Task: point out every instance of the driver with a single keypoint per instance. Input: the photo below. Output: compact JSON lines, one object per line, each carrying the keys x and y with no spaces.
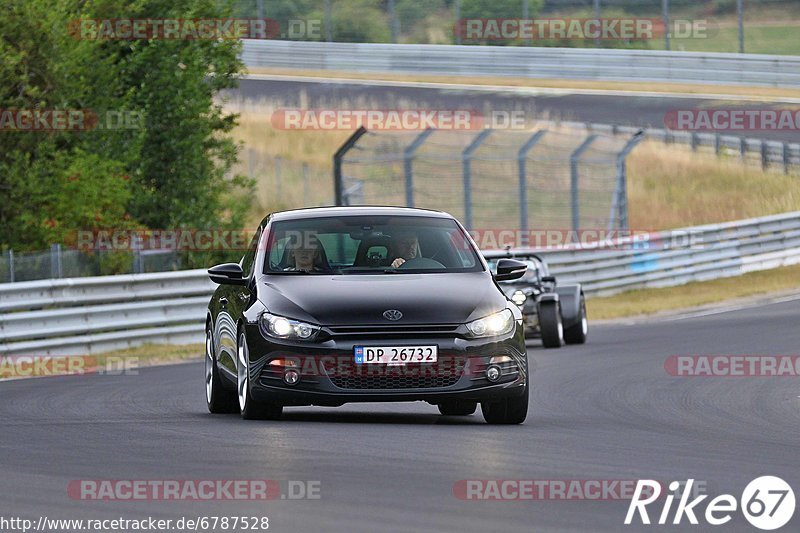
{"x":404,"y":247}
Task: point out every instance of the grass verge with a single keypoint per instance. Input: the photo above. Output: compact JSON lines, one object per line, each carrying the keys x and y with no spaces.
{"x":652,"y":301}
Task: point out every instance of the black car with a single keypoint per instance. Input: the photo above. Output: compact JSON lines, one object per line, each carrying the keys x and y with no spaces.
{"x":555,"y":313}
{"x":365,"y":304}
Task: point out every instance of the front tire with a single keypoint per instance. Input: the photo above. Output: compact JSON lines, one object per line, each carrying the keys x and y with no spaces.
{"x":577,"y":333}
{"x":551,"y":325}
{"x":249,"y":408}
{"x":218,"y":399}
{"x":513,"y":410}
{"x":457,"y":408}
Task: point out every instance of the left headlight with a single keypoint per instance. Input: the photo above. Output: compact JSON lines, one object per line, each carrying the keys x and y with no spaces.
{"x":286,"y":328}
{"x":492,"y":325}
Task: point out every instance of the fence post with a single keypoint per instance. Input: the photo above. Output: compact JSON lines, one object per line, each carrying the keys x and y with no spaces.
{"x":573,"y":167}
{"x":717,"y":143}
{"x":305,"y":185}
{"x":694,"y":141}
{"x":785,"y":157}
{"x":10,"y":265}
{"x":743,"y":148}
{"x":523,"y":182}
{"x":338,"y":186}
{"x":764,"y":155}
{"x":278,"y":177}
{"x":408,"y":164}
{"x":55,"y":261}
{"x":466,"y":158}
{"x":620,"y":200}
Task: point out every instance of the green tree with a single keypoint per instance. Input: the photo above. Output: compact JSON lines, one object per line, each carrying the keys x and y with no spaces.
{"x":171,"y":171}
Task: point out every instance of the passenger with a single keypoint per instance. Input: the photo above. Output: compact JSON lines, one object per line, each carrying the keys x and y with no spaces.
{"x":306,"y":257}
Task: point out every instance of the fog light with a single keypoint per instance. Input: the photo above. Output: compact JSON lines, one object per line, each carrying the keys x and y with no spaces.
{"x":290,"y":377}
{"x":493,"y":373}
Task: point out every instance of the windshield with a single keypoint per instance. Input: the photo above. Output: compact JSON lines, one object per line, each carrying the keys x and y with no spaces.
{"x":369,"y":245}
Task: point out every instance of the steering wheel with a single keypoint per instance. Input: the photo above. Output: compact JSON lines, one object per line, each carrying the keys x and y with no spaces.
{"x":421,"y":263}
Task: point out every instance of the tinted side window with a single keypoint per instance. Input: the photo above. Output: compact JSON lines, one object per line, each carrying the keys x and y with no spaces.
{"x":249,"y":259}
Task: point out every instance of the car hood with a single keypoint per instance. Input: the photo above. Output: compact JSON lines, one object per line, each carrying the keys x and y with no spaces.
{"x":361,"y":299}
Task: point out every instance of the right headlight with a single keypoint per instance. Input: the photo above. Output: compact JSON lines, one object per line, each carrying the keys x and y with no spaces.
{"x":286,"y":328}
{"x":492,"y":325}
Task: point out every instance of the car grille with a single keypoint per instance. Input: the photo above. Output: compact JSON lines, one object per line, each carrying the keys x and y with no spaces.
{"x":392,"y":332}
{"x":444,"y":373}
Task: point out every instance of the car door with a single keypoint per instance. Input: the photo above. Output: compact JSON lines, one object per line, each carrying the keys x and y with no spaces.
{"x":233,"y":300}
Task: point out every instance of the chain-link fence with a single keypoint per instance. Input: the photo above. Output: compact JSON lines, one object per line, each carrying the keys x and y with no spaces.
{"x":542,"y":179}
{"x":60,"y":262}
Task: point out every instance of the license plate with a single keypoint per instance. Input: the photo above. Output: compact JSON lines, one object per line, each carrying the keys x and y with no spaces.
{"x":395,"y":355}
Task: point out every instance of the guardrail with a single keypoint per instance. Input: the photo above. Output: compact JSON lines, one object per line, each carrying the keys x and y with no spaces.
{"x":92,"y":315}
{"x":718,"y":250}
{"x":528,"y":62}
{"x":97,"y":314}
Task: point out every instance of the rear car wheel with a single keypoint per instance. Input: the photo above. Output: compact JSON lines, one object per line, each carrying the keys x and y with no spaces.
{"x":550,"y":324}
{"x":248,"y":407}
{"x":577,"y":333}
{"x":458,"y":408}
{"x":511,"y":410}
{"x":218,"y":399}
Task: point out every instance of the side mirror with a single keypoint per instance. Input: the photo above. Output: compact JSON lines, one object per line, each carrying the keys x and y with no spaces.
{"x":549,"y":279}
{"x":510,"y":269}
{"x":227,"y":274}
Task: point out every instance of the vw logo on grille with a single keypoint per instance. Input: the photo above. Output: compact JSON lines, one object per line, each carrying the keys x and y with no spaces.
{"x":392,"y":314}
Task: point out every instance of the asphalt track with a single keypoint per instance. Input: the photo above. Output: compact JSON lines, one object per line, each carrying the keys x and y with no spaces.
{"x":612,"y":108}
{"x":606,"y":410}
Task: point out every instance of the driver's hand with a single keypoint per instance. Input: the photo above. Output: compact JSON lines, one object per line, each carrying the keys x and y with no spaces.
{"x":397,"y":262}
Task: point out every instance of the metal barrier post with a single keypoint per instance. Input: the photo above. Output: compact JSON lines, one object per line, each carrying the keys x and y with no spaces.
{"x":764,"y":155}
{"x":523,"y":182}
{"x":55,"y":261}
{"x":10,"y":265}
{"x":466,"y":158}
{"x":573,"y":167}
{"x":408,"y":161}
{"x":338,"y":186}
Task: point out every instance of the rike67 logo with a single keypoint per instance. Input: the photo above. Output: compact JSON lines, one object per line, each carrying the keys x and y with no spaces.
{"x":767,"y":502}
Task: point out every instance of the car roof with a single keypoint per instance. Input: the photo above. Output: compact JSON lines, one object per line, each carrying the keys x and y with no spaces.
{"x":373,"y":210}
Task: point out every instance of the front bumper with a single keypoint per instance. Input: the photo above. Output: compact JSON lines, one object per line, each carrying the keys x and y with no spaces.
{"x":329,"y":376}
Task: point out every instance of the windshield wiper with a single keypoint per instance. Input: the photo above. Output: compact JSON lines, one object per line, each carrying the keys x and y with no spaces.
{"x":303,"y":272}
{"x":371,"y":271}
